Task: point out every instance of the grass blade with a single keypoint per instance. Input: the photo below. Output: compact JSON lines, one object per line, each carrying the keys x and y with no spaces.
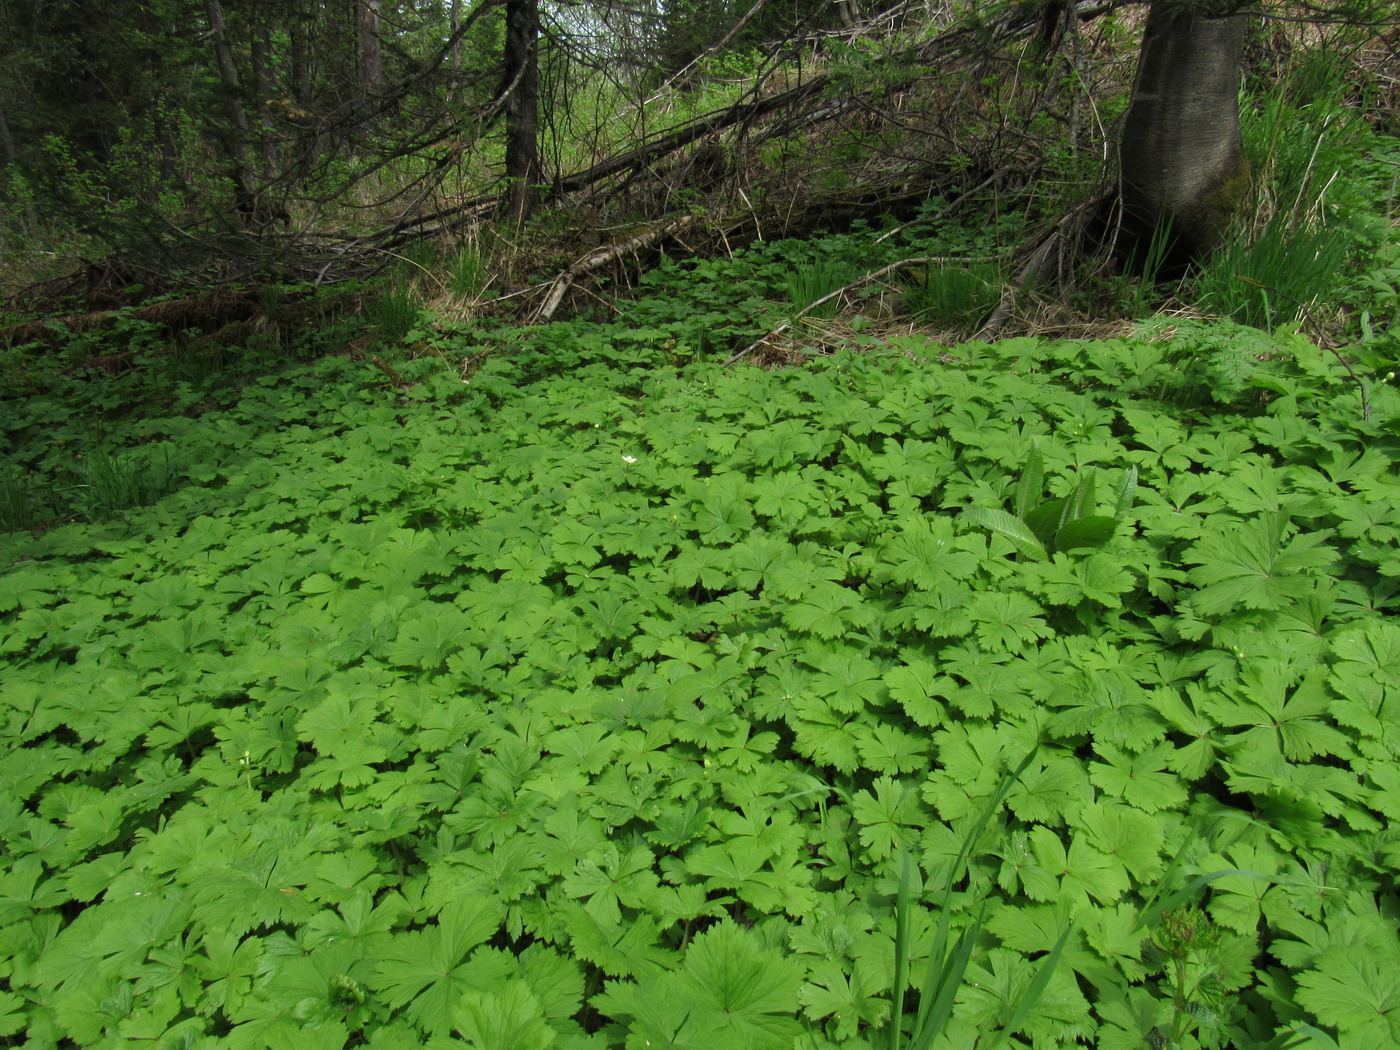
{"x":903,"y":922}
{"x":1037,"y":987}
{"x":950,"y":979}
{"x":940,"y":966}
{"x":1151,"y":914}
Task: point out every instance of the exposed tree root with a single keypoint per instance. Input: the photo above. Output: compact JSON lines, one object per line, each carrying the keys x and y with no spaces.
{"x":1029,"y":275}
{"x":1061,"y":243}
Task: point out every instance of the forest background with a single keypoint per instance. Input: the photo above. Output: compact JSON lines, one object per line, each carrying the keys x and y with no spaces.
{"x":823,"y":524}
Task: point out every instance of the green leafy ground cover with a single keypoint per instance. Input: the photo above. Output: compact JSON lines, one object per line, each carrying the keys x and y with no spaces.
{"x":594,"y":702}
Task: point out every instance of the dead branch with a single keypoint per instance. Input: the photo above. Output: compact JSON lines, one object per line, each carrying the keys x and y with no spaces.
{"x":870,"y":278}
{"x":604,"y":255}
{"x":741,"y":114}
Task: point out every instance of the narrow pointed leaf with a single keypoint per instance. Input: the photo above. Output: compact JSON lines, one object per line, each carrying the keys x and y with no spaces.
{"x":1093,"y":531}
{"x":1126,"y":492}
{"x":1152,"y":914}
{"x":1032,"y":479}
{"x":949,"y":980}
{"x":1037,"y":987}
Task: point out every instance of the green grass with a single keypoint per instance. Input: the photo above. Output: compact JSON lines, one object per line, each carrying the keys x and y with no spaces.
{"x":1275,"y":278}
{"x":107,"y":483}
{"x":814,"y":278}
{"x":394,"y":311}
{"x":17,"y":510}
{"x":467,"y":272}
{"x":954,"y":295}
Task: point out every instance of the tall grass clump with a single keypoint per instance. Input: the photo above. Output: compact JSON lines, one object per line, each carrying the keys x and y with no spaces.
{"x":1275,"y":278}
{"x":17,"y":509}
{"x":1310,"y":208}
{"x":955,"y":295}
{"x":106,"y":483}
{"x":466,"y":273}
{"x":394,"y":311}
{"x":948,"y":958}
{"x":812,"y":279}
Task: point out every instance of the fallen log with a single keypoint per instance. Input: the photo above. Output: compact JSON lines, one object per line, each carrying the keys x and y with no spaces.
{"x":204,"y":311}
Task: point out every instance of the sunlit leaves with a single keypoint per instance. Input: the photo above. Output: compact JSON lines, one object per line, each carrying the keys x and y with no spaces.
{"x":1082,"y":870}
{"x":886,"y":815}
{"x":730,"y":994}
{"x":1007,"y":622}
{"x":1140,"y":780}
{"x":848,"y":682}
{"x":636,"y":672}
{"x":1131,"y":838}
{"x":926,"y":554}
{"x":1072,"y":580}
{"x":1277,"y":710}
{"x":429,"y":634}
{"x":430,"y":969}
{"x":912,"y":685}
{"x":841,"y":994}
{"x":828,"y":611}
{"x":613,"y":880}
{"x":1255,"y":568}
{"x":723,"y":507}
{"x":1356,"y":990}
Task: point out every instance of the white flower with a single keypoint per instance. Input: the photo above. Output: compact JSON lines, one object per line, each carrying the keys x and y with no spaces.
{"x":629,"y":459}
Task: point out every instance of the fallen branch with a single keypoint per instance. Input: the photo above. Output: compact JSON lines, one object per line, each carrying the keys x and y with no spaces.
{"x":870,"y":278}
{"x":744,"y":113}
{"x":393,"y":373}
{"x":601,"y":257}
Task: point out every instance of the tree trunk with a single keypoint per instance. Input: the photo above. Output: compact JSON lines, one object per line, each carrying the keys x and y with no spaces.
{"x":1182,"y":166}
{"x":521,"y":86}
{"x":299,"y":48}
{"x":454,"y":55}
{"x":236,"y":134}
{"x":367,"y":35}
{"x":261,"y":53}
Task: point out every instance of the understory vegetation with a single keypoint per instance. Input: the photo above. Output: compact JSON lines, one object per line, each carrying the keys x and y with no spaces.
{"x":748,"y":656}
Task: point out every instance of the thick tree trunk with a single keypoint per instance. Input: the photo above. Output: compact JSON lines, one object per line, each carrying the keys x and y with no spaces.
{"x":236,"y":134}
{"x":1182,"y":164}
{"x":521,"y":87}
